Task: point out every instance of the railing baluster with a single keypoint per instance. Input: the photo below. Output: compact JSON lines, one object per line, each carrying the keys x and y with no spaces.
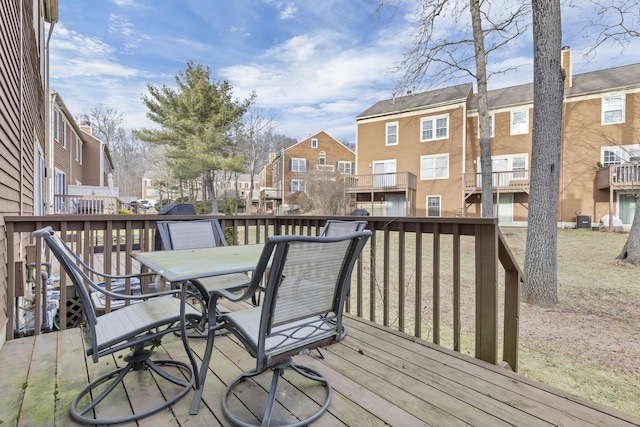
{"x":87,"y":233}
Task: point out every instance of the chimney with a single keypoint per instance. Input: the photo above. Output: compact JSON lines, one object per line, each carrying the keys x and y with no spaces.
{"x":272,"y":157}
{"x":86,"y":126}
{"x":566,"y":66}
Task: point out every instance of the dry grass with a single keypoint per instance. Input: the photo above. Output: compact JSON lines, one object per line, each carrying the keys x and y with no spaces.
{"x":588,"y":343}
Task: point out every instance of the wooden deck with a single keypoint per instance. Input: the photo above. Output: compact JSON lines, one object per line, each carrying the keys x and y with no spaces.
{"x":378,"y":377}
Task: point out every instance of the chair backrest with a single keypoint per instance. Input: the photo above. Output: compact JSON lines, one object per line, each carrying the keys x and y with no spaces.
{"x":306,"y":287}
{"x":336,"y":227}
{"x":191,"y":234}
{"x":73,"y":266}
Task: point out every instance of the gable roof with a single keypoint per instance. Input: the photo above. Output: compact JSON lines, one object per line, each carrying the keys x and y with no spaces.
{"x":592,"y":82}
{"x":447,"y":95}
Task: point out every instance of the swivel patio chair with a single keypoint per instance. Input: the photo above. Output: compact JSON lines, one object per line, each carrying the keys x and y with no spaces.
{"x":201,"y":234}
{"x":139,"y":326}
{"x":306,"y":286}
{"x":336,"y":227}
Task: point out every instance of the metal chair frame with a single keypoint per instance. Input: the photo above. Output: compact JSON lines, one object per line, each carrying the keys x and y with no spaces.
{"x":289,"y":322}
{"x":139,"y":327}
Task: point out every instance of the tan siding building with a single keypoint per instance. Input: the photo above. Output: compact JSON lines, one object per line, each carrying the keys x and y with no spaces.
{"x":297,"y":168}
{"x":432,"y":138}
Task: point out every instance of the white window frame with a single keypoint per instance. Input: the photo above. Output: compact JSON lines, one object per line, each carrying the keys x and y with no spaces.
{"x":431,"y":198}
{"x":523,"y":127}
{"x":63,"y":137}
{"x":314,"y":142}
{"x":436,"y":126}
{"x":388,"y":135}
{"x":620,"y":154}
{"x":345,"y":167}
{"x":299,"y":184}
{"x":612,"y":109}
{"x":434,"y":167}
{"x":56,"y":125}
{"x":298,"y":164}
{"x":492,"y":120}
{"x":77,"y":150}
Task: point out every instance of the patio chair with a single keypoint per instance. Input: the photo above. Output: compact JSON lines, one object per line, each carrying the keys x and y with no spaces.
{"x":201,"y":234}
{"x":304,"y":296}
{"x":336,"y":227}
{"x":139,"y":326}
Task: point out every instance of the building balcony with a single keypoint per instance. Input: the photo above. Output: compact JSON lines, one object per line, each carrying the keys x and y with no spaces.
{"x":383,"y":182}
{"x":325,"y":168}
{"x":514,"y":181}
{"x":621,"y":177}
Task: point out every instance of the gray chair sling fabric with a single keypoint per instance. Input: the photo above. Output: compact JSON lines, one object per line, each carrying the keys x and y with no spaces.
{"x":305,"y":291}
{"x":336,"y":227}
{"x":139,"y":327}
{"x":201,"y":234}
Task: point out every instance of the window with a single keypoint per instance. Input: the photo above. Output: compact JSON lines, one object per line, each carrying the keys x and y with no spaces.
{"x":345,"y":167}
{"x":519,"y":167}
{"x":620,"y":154}
{"x":296,"y":185}
{"x":314,"y":142}
{"x":63,"y":137}
{"x":56,"y":117}
{"x":433,"y":128}
{"x":392,"y":133}
{"x":298,"y":165}
{"x":613,"y":110}
{"x":519,"y":122}
{"x":434,"y":167}
{"x":433,"y":205}
{"x":491,"y":121}
{"x":77,"y":149}
{"x":322,"y":159}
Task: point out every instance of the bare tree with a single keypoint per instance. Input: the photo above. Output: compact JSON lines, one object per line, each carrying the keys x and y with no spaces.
{"x":257,"y":126}
{"x":439,"y":56}
{"x":541,"y":262}
{"x":129,"y":154}
{"x":615,"y":24}
{"x":611,"y":23}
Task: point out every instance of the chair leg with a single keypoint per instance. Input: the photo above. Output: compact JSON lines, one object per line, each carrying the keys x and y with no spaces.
{"x":82,"y":413}
{"x":277,"y":372}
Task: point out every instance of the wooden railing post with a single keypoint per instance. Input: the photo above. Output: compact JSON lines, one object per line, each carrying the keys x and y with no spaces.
{"x":487,"y":293}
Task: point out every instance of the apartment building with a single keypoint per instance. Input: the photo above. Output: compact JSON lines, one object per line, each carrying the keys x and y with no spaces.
{"x":301,"y":166}
{"x":23,"y":122}
{"x":419,"y":154}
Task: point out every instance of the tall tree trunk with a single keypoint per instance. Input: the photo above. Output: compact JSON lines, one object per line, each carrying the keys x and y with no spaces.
{"x":483,"y":110}
{"x":631,"y":250}
{"x":540,"y":268}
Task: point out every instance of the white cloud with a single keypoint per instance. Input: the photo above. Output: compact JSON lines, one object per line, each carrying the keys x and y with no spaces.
{"x":120,"y":25}
{"x":78,"y":44}
{"x":288,"y":12}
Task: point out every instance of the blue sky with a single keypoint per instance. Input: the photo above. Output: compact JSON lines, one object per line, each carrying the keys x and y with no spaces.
{"x":315,"y":65}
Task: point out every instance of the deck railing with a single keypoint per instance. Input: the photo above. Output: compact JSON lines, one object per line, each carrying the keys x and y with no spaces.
{"x":436,"y":278}
{"x":380,"y":182}
{"x":513,"y":180}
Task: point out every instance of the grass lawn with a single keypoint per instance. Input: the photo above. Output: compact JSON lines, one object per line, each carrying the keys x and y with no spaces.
{"x":588,"y":343}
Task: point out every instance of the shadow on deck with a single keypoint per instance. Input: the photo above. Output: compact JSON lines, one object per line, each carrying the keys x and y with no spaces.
{"x":378,"y":376}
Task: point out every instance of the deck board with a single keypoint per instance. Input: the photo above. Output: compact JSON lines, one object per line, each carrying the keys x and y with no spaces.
{"x":378,"y":377}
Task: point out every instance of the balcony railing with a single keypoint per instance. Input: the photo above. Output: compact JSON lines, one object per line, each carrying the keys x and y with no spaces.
{"x":435,"y":278}
{"x":514,"y":181}
{"x":94,"y":205}
{"x":392,"y":181}
{"x":622,"y":177}
{"x":325,"y":168}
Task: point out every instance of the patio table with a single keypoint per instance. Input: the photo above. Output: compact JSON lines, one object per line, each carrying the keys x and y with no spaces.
{"x":182,"y":265}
